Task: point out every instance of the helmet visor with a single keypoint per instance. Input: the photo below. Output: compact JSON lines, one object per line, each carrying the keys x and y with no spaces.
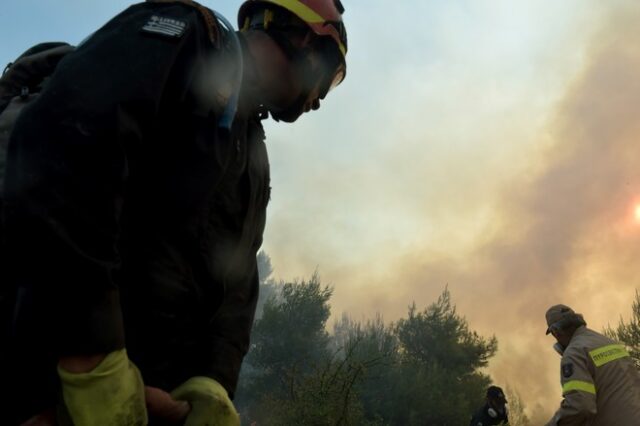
{"x":326,"y":67}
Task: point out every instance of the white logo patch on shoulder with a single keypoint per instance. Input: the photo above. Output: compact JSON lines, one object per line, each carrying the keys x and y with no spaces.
{"x":169,"y":27}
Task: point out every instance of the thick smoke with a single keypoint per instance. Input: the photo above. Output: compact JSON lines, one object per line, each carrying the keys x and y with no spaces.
{"x":566,"y":234}
{"x":562,"y":231}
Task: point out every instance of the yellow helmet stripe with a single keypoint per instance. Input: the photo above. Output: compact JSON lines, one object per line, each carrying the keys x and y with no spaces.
{"x":305,"y":13}
{"x":302,"y":10}
{"x":606,"y":354}
{"x":579,"y":385}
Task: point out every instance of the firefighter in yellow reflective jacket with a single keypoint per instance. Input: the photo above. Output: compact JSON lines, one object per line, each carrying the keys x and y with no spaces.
{"x":600,"y":383}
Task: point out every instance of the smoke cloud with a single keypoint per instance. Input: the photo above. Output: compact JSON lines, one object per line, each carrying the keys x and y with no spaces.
{"x":552,"y":217}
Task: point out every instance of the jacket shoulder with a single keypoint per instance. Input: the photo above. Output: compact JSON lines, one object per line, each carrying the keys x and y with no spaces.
{"x":212,"y":22}
{"x":587,"y":340}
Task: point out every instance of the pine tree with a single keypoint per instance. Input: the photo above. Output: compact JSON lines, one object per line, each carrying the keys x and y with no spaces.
{"x":629,"y":332}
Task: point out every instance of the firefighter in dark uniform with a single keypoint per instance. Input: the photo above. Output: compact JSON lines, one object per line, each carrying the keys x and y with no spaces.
{"x":135,"y":197}
{"x":494,"y":412}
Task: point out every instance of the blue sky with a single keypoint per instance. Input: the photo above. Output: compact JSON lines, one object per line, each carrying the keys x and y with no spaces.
{"x":444,"y":159}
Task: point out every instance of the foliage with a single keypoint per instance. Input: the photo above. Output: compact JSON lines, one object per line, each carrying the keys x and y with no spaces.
{"x":424,"y":369}
{"x":438,"y":378}
{"x":439,"y":335}
{"x":375,"y":347}
{"x":268,"y":287}
{"x":291,"y":331}
{"x":289,"y":353}
{"x":325,"y":396}
{"x":265,"y":269}
{"x":629,"y":332}
{"x":517,"y":416}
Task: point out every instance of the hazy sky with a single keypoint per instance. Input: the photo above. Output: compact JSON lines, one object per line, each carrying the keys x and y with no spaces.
{"x":486,"y":145}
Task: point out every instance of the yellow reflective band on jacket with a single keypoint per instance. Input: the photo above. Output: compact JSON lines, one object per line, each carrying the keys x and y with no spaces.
{"x":606,"y":354}
{"x":579,"y":385}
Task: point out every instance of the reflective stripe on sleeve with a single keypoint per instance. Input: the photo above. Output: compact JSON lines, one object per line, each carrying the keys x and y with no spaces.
{"x":606,"y":354}
{"x":579,"y":385}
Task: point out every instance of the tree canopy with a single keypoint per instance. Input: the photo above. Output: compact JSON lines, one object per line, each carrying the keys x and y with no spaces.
{"x":424,"y":369}
{"x":628,"y":332}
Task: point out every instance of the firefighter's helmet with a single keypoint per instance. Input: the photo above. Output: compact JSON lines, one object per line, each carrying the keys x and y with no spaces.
{"x":323,"y":17}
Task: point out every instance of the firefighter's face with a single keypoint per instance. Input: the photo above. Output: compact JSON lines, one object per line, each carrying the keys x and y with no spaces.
{"x":290,"y":81}
{"x":279,"y":84}
{"x":299,"y":85}
{"x":497,"y":404}
{"x":562,"y":338}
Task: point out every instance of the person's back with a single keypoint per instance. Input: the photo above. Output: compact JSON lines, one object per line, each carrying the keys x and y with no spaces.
{"x":600,"y":382}
{"x":20,"y":85}
{"x":134,"y":197}
{"x":615,"y":377}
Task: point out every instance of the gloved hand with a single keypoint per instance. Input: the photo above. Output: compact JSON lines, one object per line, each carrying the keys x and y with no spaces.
{"x":112,"y":394}
{"x":210,"y":403}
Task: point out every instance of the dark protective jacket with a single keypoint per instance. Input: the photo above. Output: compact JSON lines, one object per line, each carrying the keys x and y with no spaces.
{"x":131,"y":219}
{"x":483,"y":417}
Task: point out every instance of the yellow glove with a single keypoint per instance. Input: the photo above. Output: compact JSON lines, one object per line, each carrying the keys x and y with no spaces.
{"x":112,"y":394}
{"x":210,"y":403}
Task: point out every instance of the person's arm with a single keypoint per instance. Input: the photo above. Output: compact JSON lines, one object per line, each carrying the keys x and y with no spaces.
{"x":477,"y":419}
{"x":64,"y":194}
{"x":67,"y":170}
{"x":63,"y":198}
{"x":230,"y":328}
{"x":210,"y":392}
{"x":578,"y":390}
{"x":70,"y":160}
{"x":474,"y":421}
{"x":230,"y":333}
{"x":224,"y":346}
{"x":66,"y":184}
